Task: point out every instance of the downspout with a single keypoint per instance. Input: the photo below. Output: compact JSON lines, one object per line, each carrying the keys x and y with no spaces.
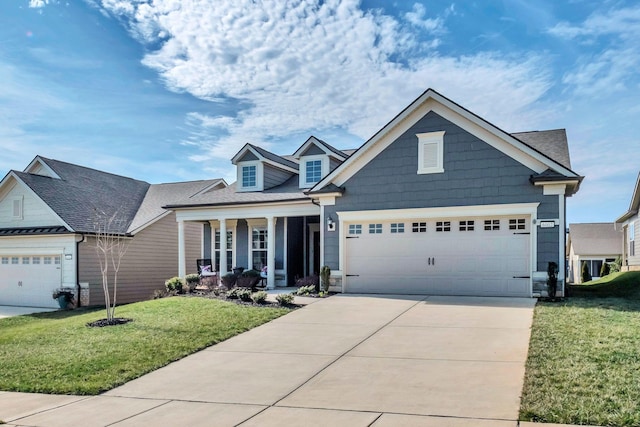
{"x":78,"y":287}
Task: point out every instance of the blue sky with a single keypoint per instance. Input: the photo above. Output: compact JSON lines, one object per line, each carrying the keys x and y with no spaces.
{"x":169,"y":90}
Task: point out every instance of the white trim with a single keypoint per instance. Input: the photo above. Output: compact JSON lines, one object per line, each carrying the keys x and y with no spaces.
{"x":259,"y":176}
{"x":324,"y":169}
{"x":249,"y":211}
{"x":149,"y":223}
{"x":20,"y":200}
{"x":562,"y":241}
{"x":315,"y":141}
{"x":210,"y":186}
{"x":433,"y":101}
{"x":312,"y":229}
{"x":428,"y":139}
{"x":261,"y":159}
{"x":39,"y":160}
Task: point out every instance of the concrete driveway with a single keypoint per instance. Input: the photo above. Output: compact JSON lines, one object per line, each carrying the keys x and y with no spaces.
{"x":11,"y":311}
{"x":349,"y":360}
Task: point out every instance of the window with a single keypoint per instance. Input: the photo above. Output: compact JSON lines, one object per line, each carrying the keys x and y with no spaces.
{"x":430,"y":152}
{"x":517,"y":224}
{"x":491,"y":224}
{"x":443,"y":226}
{"x":56,"y":260}
{"x":397,"y":227}
{"x":259,"y":248}
{"x":25,"y":259}
{"x":14,"y":260}
{"x":228,"y":250}
{"x":419,"y":227}
{"x":5,"y":260}
{"x":632,"y":238}
{"x":17,"y":208}
{"x":47,"y":260}
{"x":355,"y":228}
{"x":375,"y":228}
{"x":595,"y":265}
{"x":249,"y":176}
{"x":313,"y":171}
{"x":36,"y":260}
{"x":467,"y":225}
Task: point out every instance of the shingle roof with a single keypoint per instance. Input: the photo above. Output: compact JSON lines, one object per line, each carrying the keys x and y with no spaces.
{"x":595,"y":239}
{"x":551,"y":143}
{"x":30,"y":231}
{"x":288,"y":191}
{"x":274,"y":157}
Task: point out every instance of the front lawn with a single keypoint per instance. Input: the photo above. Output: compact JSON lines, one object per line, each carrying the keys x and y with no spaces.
{"x":584,"y":362}
{"x":57,"y":353}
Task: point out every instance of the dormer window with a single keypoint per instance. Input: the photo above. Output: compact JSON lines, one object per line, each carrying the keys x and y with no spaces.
{"x":313,"y":169}
{"x":250,"y":176}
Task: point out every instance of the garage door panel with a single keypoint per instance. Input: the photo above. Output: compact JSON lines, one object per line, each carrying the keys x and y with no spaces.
{"x":30,"y":283}
{"x":454,"y":262}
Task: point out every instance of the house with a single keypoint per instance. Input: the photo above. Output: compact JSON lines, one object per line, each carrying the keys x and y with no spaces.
{"x":593,"y":244}
{"x":629,"y":224}
{"x":438,"y":201}
{"x":48,"y":217}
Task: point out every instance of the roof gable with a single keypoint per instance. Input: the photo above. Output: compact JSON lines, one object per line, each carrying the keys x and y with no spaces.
{"x":39,"y":167}
{"x":265,"y":156}
{"x":595,"y":239}
{"x":320,"y":145}
{"x":634,"y":206}
{"x":429,"y":101}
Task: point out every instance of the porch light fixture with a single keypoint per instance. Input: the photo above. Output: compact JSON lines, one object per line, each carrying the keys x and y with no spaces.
{"x":68,"y":256}
{"x":331,"y":225}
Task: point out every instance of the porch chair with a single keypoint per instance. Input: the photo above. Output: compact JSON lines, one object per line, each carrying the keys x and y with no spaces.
{"x":208,"y":277}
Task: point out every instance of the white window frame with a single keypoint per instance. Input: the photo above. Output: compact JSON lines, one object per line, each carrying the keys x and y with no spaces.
{"x":19,"y":203}
{"x":355,"y":229}
{"x":324,"y":167}
{"x":632,"y":238}
{"x":429,"y":138}
{"x":252,"y":250}
{"x":217,"y":256}
{"x":259,"y":176}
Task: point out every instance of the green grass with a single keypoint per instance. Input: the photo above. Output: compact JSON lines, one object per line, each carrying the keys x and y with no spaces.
{"x":623,"y":285}
{"x":57,"y":353}
{"x":584,"y":358}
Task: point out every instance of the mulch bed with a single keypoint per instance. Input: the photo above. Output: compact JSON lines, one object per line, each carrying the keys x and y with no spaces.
{"x":101,"y":323}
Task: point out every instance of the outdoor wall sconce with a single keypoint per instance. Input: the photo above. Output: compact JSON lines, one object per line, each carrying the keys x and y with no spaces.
{"x":68,"y":256}
{"x":331,"y":225}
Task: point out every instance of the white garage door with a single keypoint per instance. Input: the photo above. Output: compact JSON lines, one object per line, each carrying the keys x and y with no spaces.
{"x":27,"y":280}
{"x":487,"y":256}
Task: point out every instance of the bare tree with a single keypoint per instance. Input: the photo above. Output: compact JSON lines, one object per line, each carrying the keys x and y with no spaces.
{"x":111,"y":246}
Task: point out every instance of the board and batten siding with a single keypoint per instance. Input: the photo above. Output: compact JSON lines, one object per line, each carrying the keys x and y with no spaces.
{"x":34,"y":211}
{"x":475,"y":173}
{"x":151,"y":258}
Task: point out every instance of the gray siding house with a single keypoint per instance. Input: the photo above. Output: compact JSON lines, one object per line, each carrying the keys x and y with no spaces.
{"x":439,"y":201}
{"x":629,"y":224}
{"x":47,"y":226}
{"x":592,"y":244}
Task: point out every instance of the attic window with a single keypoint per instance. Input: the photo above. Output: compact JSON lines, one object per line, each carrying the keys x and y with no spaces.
{"x":430,"y":152}
{"x":313,"y":171}
{"x":249,"y":176}
{"x":17,"y":208}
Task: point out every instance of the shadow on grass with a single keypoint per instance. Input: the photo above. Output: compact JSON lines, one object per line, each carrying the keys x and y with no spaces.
{"x":65,"y":314}
{"x":605,"y":303}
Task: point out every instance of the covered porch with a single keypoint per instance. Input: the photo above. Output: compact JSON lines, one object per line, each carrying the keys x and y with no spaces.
{"x":285,"y":238}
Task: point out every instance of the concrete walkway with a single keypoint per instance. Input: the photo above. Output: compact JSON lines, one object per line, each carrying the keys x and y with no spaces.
{"x":349,"y":360}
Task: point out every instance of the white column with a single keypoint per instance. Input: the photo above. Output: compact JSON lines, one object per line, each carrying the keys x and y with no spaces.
{"x":562,"y":244}
{"x":223,"y":247}
{"x":271,"y":252}
{"x":182,"y":270}
{"x":212,"y":226}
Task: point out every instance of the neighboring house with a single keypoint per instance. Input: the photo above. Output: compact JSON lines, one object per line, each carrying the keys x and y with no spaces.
{"x":439,"y":201}
{"x":47,"y":224}
{"x":594,"y":244}
{"x":629,"y":223}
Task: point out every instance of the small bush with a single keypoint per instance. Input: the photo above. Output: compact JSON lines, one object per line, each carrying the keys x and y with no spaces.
{"x":174,"y":285}
{"x":259,"y":297}
{"x":244,"y":294}
{"x":250,"y":273}
{"x":604,"y":270}
{"x":158,"y":293}
{"x":305,"y":290}
{"x":586,"y":276}
{"x":232,"y":293}
{"x":325,"y":276}
{"x":615,"y":266}
{"x":228,"y":280}
{"x":192,"y":279}
{"x":285,"y":299}
{"x":309,"y":281}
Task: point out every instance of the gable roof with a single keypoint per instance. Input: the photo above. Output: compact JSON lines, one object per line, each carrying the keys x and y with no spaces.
{"x":529,"y":155}
{"x":328,"y":149}
{"x":267,"y":157}
{"x":634,"y":205}
{"x":79,"y":196}
{"x":595,"y":239}
{"x":552,"y":143}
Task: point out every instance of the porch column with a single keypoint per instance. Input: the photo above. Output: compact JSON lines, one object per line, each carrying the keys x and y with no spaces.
{"x":223,"y":247}
{"x":212,"y":228}
{"x":271,"y":252}
{"x":182,"y":271}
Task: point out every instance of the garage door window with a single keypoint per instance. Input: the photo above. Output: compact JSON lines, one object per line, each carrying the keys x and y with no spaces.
{"x":375,"y":228}
{"x":5,"y":260}
{"x":15,"y":260}
{"x":491,"y":224}
{"x":47,"y":260}
{"x":443,"y":226}
{"x":419,"y":227}
{"x":467,"y":225}
{"x":25,"y":260}
{"x":517,"y":224}
{"x":36,"y":260}
{"x":56,"y":260}
{"x":397,"y":227}
{"x":355,"y":228}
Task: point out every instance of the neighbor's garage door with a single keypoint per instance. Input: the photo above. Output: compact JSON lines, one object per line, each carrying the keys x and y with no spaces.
{"x":27,"y":280}
{"x":463,"y":256}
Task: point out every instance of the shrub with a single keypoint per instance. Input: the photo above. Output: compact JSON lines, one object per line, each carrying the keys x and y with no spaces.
{"x":285,"y":299}
{"x":259,"y":297}
{"x":325,"y":275}
{"x":250,"y":273}
{"x":604,"y":270}
{"x":244,"y":294}
{"x":158,"y":293}
{"x":552,"y":279}
{"x":305,"y":290}
{"x":192,"y":280}
{"x":228,"y":280}
{"x":586,"y":276}
{"x":614,"y":267}
{"x":232,"y":293}
{"x":174,"y":285}
{"x":308,"y":281}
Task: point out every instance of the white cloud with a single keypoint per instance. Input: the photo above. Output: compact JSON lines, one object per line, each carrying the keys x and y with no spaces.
{"x":36,"y":4}
{"x":624,"y":23}
{"x":307,"y":66}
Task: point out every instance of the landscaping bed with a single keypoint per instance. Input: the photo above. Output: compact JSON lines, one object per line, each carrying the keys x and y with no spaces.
{"x":584,"y":358}
{"x":58,"y":353}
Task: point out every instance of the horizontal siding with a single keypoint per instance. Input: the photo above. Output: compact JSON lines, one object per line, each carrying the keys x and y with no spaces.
{"x":635,"y":260}
{"x":35,"y":211}
{"x":274,"y":176}
{"x":151,"y":258}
